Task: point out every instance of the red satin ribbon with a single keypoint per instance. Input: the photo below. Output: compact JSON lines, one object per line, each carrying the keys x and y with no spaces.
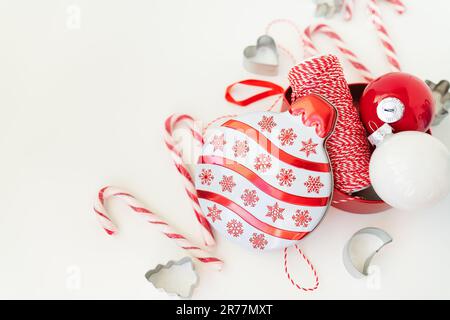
{"x":274,"y":89}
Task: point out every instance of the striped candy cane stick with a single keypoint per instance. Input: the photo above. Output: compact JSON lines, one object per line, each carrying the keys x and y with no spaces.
{"x":349,"y":6}
{"x":399,"y":6}
{"x":311,"y":50}
{"x":172,"y":123}
{"x":382,"y":33}
{"x":150,"y":217}
{"x":348,"y":9}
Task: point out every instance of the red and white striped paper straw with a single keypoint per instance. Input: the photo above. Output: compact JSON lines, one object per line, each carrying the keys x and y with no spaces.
{"x":383,"y":35}
{"x":172,"y":123}
{"x":107,"y":224}
{"x":311,"y":50}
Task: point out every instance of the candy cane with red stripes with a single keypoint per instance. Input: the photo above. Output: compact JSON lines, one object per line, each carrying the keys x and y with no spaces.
{"x":348,"y":9}
{"x":382,"y":33}
{"x":172,"y":123}
{"x":311,"y":50}
{"x":399,"y":6}
{"x":107,"y":224}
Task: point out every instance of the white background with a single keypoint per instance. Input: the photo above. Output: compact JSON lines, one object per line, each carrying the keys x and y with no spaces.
{"x":84,"y":107}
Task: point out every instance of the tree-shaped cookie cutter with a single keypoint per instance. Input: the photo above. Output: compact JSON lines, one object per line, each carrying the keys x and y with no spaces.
{"x":172,"y":263}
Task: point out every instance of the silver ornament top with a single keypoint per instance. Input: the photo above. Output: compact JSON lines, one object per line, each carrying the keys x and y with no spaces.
{"x":378,"y":136}
{"x":390,"y":110}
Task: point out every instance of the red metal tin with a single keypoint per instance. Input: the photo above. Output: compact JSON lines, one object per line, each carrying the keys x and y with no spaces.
{"x":342,"y":201}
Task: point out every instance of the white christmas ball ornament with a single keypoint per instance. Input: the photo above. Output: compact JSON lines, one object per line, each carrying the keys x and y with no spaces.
{"x":411,"y":170}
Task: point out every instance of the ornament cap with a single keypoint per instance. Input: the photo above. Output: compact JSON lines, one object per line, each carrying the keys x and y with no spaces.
{"x":380,"y":134}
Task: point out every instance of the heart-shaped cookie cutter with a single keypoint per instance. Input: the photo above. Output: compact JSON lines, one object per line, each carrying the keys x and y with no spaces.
{"x":256,"y":61}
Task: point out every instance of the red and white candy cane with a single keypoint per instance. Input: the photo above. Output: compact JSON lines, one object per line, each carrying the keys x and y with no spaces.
{"x":382,"y":33}
{"x":172,"y":123}
{"x":322,"y":28}
{"x":348,"y":9}
{"x":399,"y":6}
{"x":107,"y":224}
{"x":349,"y":6}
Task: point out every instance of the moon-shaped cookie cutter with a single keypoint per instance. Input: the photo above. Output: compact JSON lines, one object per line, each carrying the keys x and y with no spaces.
{"x":349,"y":263}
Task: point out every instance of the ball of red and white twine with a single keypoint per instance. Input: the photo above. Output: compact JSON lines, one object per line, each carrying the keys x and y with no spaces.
{"x":348,"y":147}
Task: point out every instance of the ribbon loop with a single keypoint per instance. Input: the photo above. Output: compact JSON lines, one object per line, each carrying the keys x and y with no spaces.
{"x":274,"y":89}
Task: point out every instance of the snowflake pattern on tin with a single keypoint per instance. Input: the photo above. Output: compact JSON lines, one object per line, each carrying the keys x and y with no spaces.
{"x":286,"y":177}
{"x":227,"y":183}
{"x":214,"y":213}
{"x":267,"y":124}
{"x":302,"y":218}
{"x":287,"y":137}
{"x":240,"y":148}
{"x":313,"y":184}
{"x":258,"y":241}
{"x":218,"y":142}
{"x":263,"y":162}
{"x":206,"y":177}
{"x":308,"y":147}
{"x":235,"y":228}
{"x":250,"y":198}
{"x":261,"y":150}
{"x":275,"y":212}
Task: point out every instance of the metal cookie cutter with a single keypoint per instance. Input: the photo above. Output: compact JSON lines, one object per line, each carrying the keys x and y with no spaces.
{"x":350,"y":264}
{"x":263,"y":58}
{"x":153,"y":276}
{"x":441,"y":97}
{"x":328,"y":8}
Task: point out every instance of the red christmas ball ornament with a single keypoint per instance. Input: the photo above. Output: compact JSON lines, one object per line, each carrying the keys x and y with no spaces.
{"x":396,"y":102}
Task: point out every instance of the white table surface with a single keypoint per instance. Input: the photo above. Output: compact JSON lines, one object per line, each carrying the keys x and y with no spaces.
{"x":84,"y":107}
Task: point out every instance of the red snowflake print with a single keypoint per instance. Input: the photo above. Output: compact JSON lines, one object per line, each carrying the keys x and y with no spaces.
{"x":214,"y":213}
{"x":240,"y":148}
{"x":206,"y":176}
{"x":250,"y":198}
{"x":302,"y":218}
{"x":286,"y":177}
{"x":313,"y":184}
{"x":218,"y":142}
{"x":267,"y":124}
{"x":308,"y":147}
{"x":275,"y":212}
{"x":234,"y":228}
{"x":263,"y":162}
{"x":227,"y":183}
{"x":258,"y":241}
{"x":287,"y":137}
